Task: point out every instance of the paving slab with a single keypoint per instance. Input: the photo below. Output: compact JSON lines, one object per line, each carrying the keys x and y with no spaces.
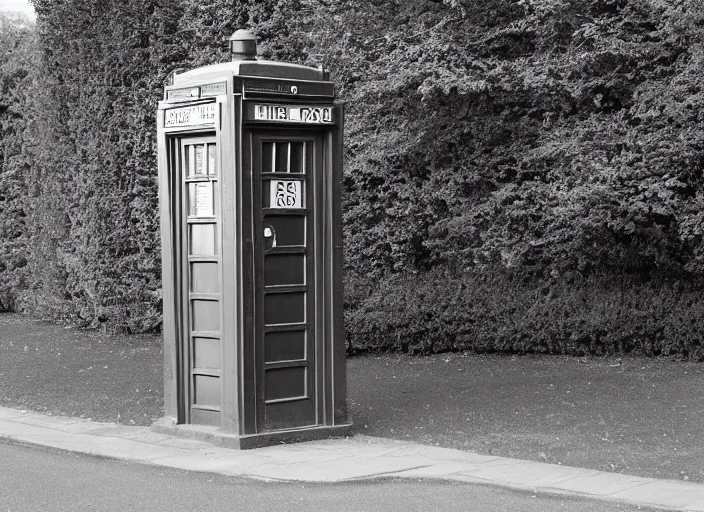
{"x":607,"y":484}
{"x":62,"y":423}
{"x":6,"y":413}
{"x":438,"y":470}
{"x":683,"y":495}
{"x":336,"y":460}
{"x":527,"y":474}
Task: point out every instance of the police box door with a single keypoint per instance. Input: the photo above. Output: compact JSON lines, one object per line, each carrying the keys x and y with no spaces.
{"x":286,"y":172}
{"x":199,"y":264}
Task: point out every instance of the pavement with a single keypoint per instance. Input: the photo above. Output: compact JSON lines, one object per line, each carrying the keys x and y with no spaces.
{"x":337,"y":460}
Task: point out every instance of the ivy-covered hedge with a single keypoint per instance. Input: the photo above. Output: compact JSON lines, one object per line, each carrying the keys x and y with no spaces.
{"x":17,"y":59}
{"x":90,"y":179}
{"x":446,"y":310}
{"x":559,"y":141}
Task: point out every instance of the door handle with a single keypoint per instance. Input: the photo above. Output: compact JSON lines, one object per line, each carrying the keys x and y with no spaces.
{"x":269,"y":237}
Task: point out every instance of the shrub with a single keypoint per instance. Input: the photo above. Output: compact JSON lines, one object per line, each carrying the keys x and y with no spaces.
{"x":443,"y":310}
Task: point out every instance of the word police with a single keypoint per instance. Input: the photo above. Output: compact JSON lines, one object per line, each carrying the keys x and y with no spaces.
{"x":285,"y":113}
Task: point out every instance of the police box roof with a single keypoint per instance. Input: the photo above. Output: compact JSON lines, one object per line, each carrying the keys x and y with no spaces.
{"x":243,"y":49}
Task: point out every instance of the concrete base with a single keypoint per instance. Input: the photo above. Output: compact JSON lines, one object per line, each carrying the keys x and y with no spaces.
{"x":213,"y":435}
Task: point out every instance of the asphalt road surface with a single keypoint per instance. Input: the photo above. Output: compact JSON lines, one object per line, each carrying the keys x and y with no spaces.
{"x":35,"y":479}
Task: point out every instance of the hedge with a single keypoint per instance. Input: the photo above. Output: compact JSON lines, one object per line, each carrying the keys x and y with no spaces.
{"x":445,"y":310}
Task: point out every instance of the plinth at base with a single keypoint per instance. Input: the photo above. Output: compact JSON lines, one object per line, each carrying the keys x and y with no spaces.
{"x":213,"y":435}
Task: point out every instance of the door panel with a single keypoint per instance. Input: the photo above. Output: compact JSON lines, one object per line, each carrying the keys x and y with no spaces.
{"x":201,"y":346}
{"x":284,"y":269}
{"x":284,"y":178}
{"x":282,"y":308}
{"x":286,"y":230}
{"x":204,"y":277}
{"x":284,"y":345}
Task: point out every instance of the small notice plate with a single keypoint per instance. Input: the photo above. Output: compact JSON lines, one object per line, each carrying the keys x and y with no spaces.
{"x":285,"y":194}
{"x":204,"y":200}
{"x":290,"y":88}
{"x":190,"y":116}
{"x":189,"y":93}
{"x":293,"y":114}
{"x":212,"y":89}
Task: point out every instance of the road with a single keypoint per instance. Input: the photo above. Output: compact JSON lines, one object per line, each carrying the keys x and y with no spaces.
{"x":35,"y":479}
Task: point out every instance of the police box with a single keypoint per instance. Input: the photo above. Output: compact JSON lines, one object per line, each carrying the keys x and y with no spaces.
{"x":250,"y":170}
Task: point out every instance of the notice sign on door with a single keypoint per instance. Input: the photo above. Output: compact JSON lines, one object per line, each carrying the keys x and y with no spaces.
{"x":204,"y":200}
{"x":286,"y":194}
{"x":292,"y":114}
{"x":190,"y":116}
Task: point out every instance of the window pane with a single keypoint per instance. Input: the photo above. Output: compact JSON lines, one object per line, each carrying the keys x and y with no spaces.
{"x":191,"y":199}
{"x":286,"y":194}
{"x":211,"y":159}
{"x":267,"y":152}
{"x":188,"y":160}
{"x":297,"y":157}
{"x":281,"y":157}
{"x":198,"y":167}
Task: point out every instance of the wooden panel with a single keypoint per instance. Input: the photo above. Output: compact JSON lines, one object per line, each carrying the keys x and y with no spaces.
{"x":289,"y":414}
{"x":207,"y":353}
{"x":203,"y":240}
{"x":282,"y":269}
{"x":335,"y":290}
{"x":284,"y":346}
{"x":206,"y":390}
{"x":204,"y":277}
{"x":248,"y":216}
{"x":205,"y":417}
{"x":229,"y":188}
{"x":284,"y":308}
{"x":206,"y":315}
{"x":281,"y":383}
{"x":167,"y":156}
{"x":289,"y":230}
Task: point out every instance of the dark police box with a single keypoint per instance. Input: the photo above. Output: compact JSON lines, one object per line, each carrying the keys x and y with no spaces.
{"x":250,"y":170}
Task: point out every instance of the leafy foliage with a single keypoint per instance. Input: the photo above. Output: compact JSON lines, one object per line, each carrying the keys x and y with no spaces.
{"x":557,"y":141}
{"x":17,"y":63}
{"x":94,"y":223}
{"x":484,"y":312}
{"x":548,"y":136}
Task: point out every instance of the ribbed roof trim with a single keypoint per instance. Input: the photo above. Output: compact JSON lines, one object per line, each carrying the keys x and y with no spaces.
{"x":262,"y":68}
